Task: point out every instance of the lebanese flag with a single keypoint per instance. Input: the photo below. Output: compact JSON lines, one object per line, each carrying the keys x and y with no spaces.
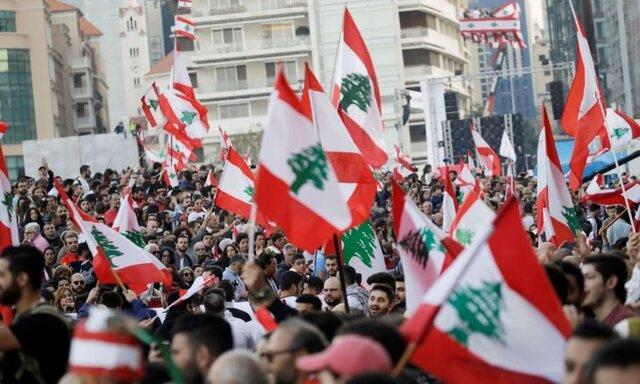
{"x":98,"y":351}
{"x":182,"y":144}
{"x":211,"y":179}
{"x":357,"y":184}
{"x":584,"y":111}
{"x":296,"y":186}
{"x":465,"y":176}
{"x":595,"y":194}
{"x":184,"y":4}
{"x":237,"y":186}
{"x":425,"y":250}
{"x":556,"y":214}
{"x":357,"y":96}
{"x":449,"y":200}
{"x":595,"y":185}
{"x":114,"y":253}
{"x":3,"y":129}
{"x":185,"y":27}
{"x":621,"y":129}
{"x":403,"y":159}
{"x":8,"y":221}
{"x":151,"y":106}
{"x":198,"y":284}
{"x":170,"y":176}
{"x":152,"y":156}
{"x":510,"y":185}
{"x":182,"y":83}
{"x":488,"y":158}
{"x":179,"y":110}
{"x":472,"y":217}
{"x":493,"y":314}
{"x":126,"y":221}
{"x":225,"y":144}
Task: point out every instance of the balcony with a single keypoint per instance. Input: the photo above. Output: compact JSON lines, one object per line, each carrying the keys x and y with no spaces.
{"x":231,"y":86}
{"x":440,"y":8}
{"x":423,"y":37}
{"x":249,"y":9}
{"x":80,"y":63}
{"x":83,"y":92}
{"x":414,"y":32}
{"x":85,"y":123}
{"x":266,"y":48}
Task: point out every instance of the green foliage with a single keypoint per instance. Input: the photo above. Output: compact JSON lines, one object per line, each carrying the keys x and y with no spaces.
{"x":309,"y":165}
{"x":479,"y":312}
{"x":355,"y":90}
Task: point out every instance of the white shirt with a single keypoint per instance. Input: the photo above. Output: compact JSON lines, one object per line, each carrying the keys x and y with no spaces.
{"x":290,"y":301}
{"x":243,"y":334}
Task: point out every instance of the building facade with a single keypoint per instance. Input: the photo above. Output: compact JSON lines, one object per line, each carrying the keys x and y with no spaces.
{"x":27,"y":77}
{"x":240,"y":45}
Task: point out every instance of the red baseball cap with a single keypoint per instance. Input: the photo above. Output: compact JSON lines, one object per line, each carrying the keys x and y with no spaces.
{"x":347,"y":356}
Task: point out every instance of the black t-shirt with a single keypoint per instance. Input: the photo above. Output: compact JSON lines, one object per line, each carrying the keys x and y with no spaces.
{"x":45,"y":337}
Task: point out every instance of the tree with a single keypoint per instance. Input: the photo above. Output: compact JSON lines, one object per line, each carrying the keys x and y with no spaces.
{"x":250,"y":192}
{"x":570,"y":215}
{"x":360,"y":242}
{"x":356,"y":89}
{"x":108,"y":248}
{"x":479,"y":311}
{"x":419,"y":243}
{"x":8,"y":203}
{"x":309,"y":165}
{"x":135,"y":237}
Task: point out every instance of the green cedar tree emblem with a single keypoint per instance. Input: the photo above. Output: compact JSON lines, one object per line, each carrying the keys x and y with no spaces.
{"x":464,"y":236}
{"x":360,"y":242}
{"x":135,"y":237}
{"x":154,"y":104}
{"x":479,"y":312}
{"x":187,"y":117}
{"x":187,"y":28}
{"x":618,"y":133}
{"x":419,"y":243}
{"x":309,"y":165}
{"x":110,"y":250}
{"x":356,"y":90}
{"x":249,"y":191}
{"x":571,"y":217}
{"x":8,"y":203}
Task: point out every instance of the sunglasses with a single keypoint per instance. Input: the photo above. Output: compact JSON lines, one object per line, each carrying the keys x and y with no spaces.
{"x":79,"y":282}
{"x":187,"y":274}
{"x":155,"y":252}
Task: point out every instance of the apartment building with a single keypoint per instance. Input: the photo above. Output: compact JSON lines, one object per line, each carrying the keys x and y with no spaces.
{"x":241,"y":44}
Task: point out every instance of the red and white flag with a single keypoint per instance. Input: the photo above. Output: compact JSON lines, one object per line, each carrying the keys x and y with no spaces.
{"x":584,"y":111}
{"x":180,"y":111}
{"x":449,"y":200}
{"x":595,"y":194}
{"x":357,"y":184}
{"x":126,"y":221}
{"x":198,"y":284}
{"x":510,"y":184}
{"x":100,"y":352}
{"x":170,"y":176}
{"x":151,"y":106}
{"x":237,"y":187}
{"x":225,"y":144}
{"x":8,"y":221}
{"x":181,"y":82}
{"x":185,"y":27}
{"x":425,"y":250}
{"x":357,"y":95}
{"x":506,"y":148}
{"x":621,"y":129}
{"x":403,"y":159}
{"x":184,"y":4}
{"x":471,"y":162}
{"x":472,"y":217}
{"x":152,"y":156}
{"x":556,"y":214}
{"x":488,"y":158}
{"x":115,"y":254}
{"x":465,"y":175}
{"x":211,"y":179}
{"x":296,"y":187}
{"x":493,"y":314}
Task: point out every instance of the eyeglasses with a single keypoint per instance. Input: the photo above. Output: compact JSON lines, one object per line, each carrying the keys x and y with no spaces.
{"x":155,"y":252}
{"x":187,"y":274}
{"x":269,"y":355}
{"x":79,"y":282}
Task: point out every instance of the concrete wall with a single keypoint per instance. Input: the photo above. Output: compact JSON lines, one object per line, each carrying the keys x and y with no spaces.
{"x":66,"y":155}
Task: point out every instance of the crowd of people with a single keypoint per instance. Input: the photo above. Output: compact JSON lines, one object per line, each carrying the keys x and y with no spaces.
{"x":316,"y":330}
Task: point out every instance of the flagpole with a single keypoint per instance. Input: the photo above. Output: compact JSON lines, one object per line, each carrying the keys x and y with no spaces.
{"x":252,"y":230}
{"x":343,"y":284}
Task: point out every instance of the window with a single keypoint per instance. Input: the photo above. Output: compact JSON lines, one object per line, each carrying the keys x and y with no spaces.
{"x":136,"y":82}
{"x":290,"y":70}
{"x":15,"y":166}
{"x":185,"y":44}
{"x":81,"y":110}
{"x":232,"y":111}
{"x":225,"y":4}
{"x":231,"y":78}
{"x":78,"y":80}
{"x":193,"y":77}
{"x":417,"y":133}
{"x":277,"y":32}
{"x":16,"y":95}
{"x":227,"y":39}
{"x":7,"y":21}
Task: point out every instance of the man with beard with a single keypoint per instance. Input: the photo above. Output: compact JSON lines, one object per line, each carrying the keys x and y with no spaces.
{"x":332,"y":292}
{"x":50,"y":235}
{"x":183,"y":258}
{"x":331,"y":266}
{"x":112,"y":212}
{"x":288,"y":252}
{"x":71,"y":258}
{"x":197,"y":341}
{"x":36,"y":345}
{"x":380,"y":300}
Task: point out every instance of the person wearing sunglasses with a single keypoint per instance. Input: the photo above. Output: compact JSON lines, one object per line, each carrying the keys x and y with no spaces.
{"x":77,"y":283}
{"x":187,"y":276}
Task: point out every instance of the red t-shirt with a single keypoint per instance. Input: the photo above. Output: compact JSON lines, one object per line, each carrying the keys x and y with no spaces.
{"x":617,"y":314}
